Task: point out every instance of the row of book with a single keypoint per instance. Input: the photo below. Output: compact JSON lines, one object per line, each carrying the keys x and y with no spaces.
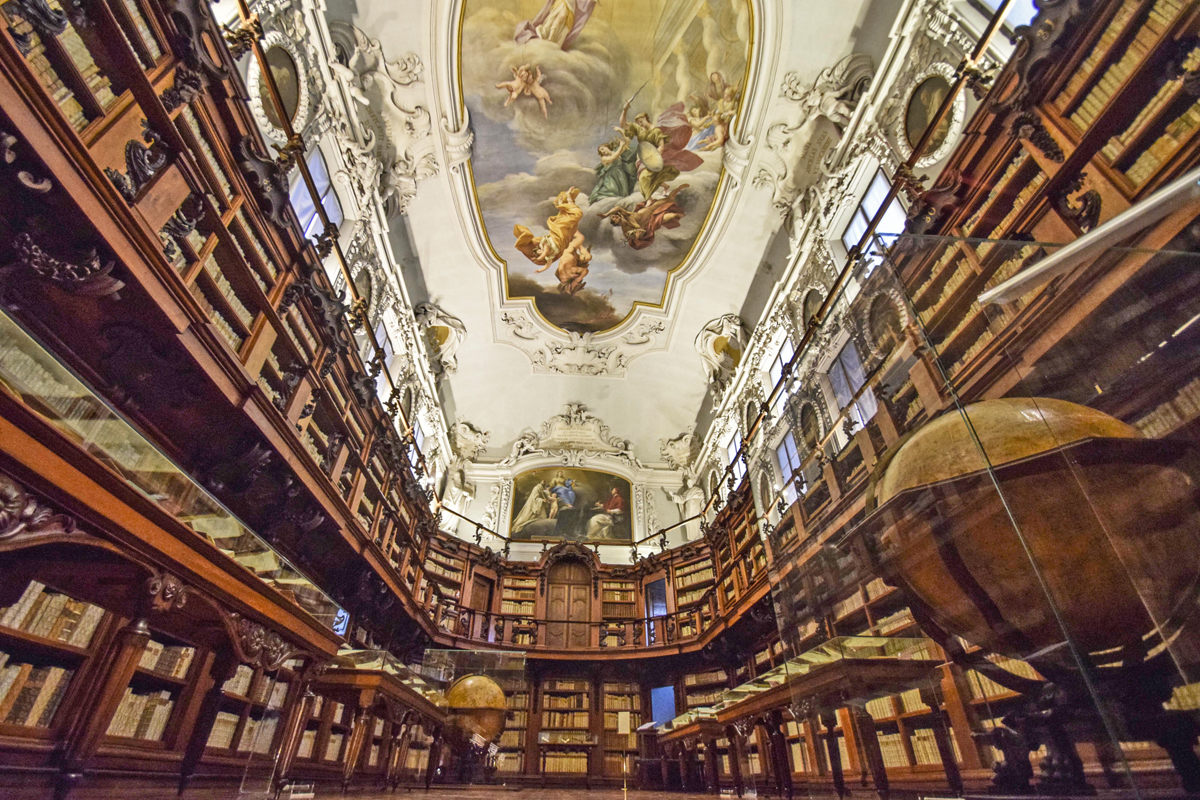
{"x":565,"y":719}
{"x":142,"y":716}
{"x":612,"y":720}
{"x":512,"y":738}
{"x":622,"y":702}
{"x":1099,"y":51}
{"x":510,"y":762}
{"x":440,"y":571}
{"x":163,"y":660}
{"x":620,"y":741}
{"x":1185,"y":698}
{"x":223,"y":729}
{"x":848,"y":605}
{"x":519,"y":719}
{"x":1162,"y":14}
{"x":697,"y":699}
{"x":258,"y":734}
{"x":566,"y":701}
{"x":217,"y":272}
{"x":701,"y":678}
{"x":523,"y":607}
{"x":618,"y":596}
{"x":47,"y":76}
{"x":565,"y":762}
{"x":239,"y":684}
{"x":686,"y":598}
{"x":924,"y":745}
{"x":52,"y":615}
{"x":202,"y":142}
{"x":1010,"y":172}
{"x":567,"y":686}
{"x":517,"y":700}
{"x":29,"y":695}
{"x":693,"y":578}
{"x":894,"y":622}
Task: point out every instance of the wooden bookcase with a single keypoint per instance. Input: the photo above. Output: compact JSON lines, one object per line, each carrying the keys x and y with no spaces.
{"x":518,"y":596}
{"x":446,"y":571}
{"x":514,"y":740}
{"x":691,"y":581}
{"x":703,"y":688}
{"x":620,"y":749}
{"x":620,"y":599}
{"x":566,"y":709}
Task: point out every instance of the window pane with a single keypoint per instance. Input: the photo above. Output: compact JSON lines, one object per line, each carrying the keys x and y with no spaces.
{"x":855,"y":230}
{"x":841,"y":387}
{"x":789,"y":441}
{"x":320,"y":174}
{"x":854,"y":369}
{"x":313,"y":227}
{"x":785,"y":463}
{"x":302,"y":203}
{"x":1021,"y":12}
{"x":333,"y":208}
{"x":876,"y":193}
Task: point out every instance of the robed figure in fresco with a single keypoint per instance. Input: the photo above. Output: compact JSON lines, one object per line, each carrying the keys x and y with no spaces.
{"x":559,"y":21}
{"x":662,"y":151}
{"x":564,"y":229}
{"x":639,"y":225}
{"x":616,"y":174}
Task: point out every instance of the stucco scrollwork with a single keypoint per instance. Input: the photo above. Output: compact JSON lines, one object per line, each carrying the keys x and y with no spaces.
{"x":397,"y":109}
{"x":797,"y":147}
{"x":444,"y":333}
{"x":721,"y":344}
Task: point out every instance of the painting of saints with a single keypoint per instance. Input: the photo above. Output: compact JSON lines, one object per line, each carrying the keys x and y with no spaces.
{"x":639,"y":226}
{"x":559,"y":21}
{"x":662,"y":151}
{"x":564,"y":231}
{"x":535,"y":508}
{"x":616,"y":174}
{"x":600,"y":526}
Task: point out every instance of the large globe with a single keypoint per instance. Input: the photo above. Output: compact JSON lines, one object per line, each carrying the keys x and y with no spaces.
{"x":1109,"y":528}
{"x":477,"y":710}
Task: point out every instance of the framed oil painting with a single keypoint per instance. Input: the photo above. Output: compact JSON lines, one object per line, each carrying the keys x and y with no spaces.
{"x":567,"y":504}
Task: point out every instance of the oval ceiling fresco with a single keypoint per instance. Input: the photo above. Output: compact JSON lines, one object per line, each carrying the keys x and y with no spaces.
{"x":599,"y":134}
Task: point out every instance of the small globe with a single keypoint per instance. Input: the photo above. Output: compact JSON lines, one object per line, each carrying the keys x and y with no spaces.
{"x":1109,"y":518}
{"x":477,"y":708}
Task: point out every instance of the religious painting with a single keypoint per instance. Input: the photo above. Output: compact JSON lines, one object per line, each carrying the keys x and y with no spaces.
{"x":569,"y":504}
{"x":287,"y":78}
{"x":600,"y":128}
{"x":923,"y":105}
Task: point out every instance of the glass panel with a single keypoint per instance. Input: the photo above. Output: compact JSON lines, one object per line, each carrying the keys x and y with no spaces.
{"x":45,"y":385}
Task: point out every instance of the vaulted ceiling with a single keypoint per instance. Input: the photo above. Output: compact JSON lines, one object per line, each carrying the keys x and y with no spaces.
{"x":635,"y":239}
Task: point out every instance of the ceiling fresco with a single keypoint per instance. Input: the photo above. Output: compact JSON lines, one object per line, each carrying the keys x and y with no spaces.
{"x":599,"y":135}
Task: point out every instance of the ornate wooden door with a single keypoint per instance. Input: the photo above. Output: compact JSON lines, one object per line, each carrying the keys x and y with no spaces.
{"x":568,"y":605}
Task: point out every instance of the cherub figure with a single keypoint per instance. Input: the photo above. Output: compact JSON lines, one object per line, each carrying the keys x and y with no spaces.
{"x":573,"y":266}
{"x":527,"y":80}
{"x":641,"y":224}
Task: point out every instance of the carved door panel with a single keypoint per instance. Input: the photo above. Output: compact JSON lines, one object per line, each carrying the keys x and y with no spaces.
{"x":568,"y":605}
{"x":557,"y":608}
{"x":579,"y":601}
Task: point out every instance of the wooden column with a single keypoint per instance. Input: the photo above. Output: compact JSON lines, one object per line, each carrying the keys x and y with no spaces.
{"x":223,"y":666}
{"x":829,"y":719}
{"x":682,"y":754}
{"x":868,"y":739}
{"x":399,"y":754}
{"x":293,"y":731}
{"x":115,"y":673}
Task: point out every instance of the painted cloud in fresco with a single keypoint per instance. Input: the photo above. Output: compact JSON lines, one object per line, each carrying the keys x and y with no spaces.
{"x":581,"y":81}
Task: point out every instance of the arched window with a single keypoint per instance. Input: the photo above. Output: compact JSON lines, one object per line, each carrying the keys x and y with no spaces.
{"x":302,"y":202}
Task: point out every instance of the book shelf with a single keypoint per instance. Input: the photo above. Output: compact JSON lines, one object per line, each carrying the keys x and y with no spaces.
{"x":518,"y":596}
{"x":620,"y":599}
{"x":565,"y":725}
{"x":45,"y":638}
{"x":619,"y":749}
{"x":446,"y":571}
{"x":511,"y":758}
{"x":150,"y":701}
{"x":703,"y":688}
{"x":251,"y":705}
{"x":692,"y":580}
